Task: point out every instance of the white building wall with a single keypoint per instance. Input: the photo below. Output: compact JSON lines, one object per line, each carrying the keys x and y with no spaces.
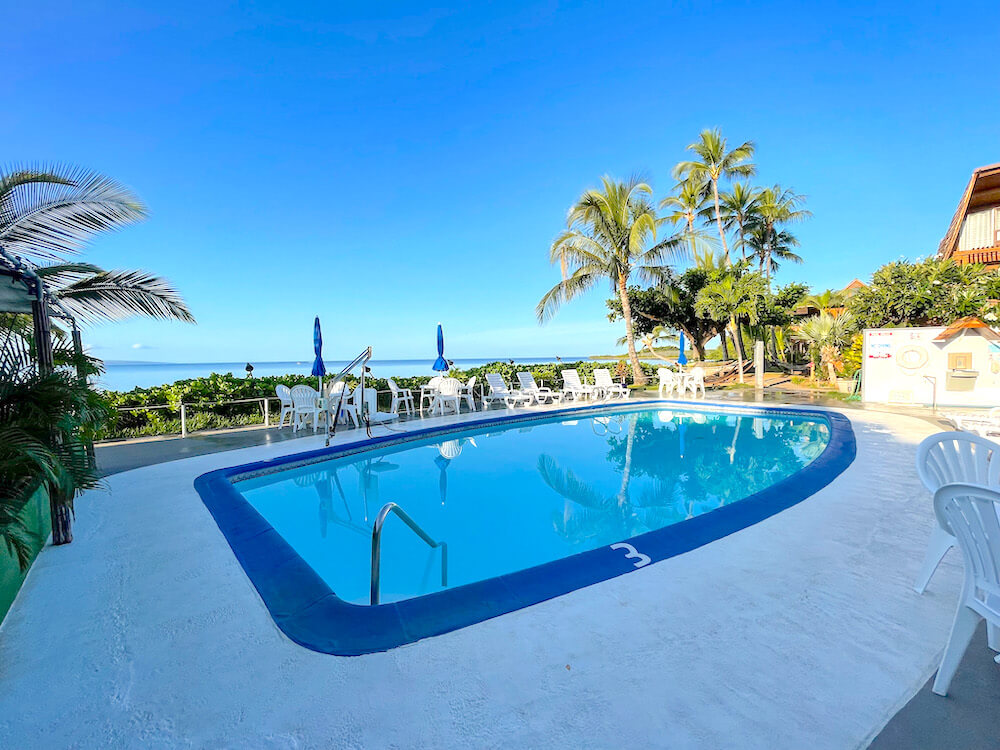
{"x":906,"y":366}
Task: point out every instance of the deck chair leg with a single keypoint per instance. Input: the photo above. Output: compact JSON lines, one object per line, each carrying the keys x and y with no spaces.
{"x":941,"y":541}
{"x":966,"y":622}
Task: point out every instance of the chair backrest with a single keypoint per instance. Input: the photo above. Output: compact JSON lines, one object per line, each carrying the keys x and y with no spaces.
{"x":304,"y":396}
{"x":527,"y":381}
{"x":971,"y":513}
{"x":697,"y":374}
{"x":284,"y":393}
{"x":392,"y":385}
{"x":450,"y":386}
{"x":435,"y":382}
{"x":495,"y":382}
{"x":665,"y":375}
{"x":571,"y":379}
{"x":949,"y":457}
{"x":602,"y":376}
{"x":471,"y":384}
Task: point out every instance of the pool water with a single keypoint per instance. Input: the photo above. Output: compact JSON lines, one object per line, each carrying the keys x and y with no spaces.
{"x":524,"y":494}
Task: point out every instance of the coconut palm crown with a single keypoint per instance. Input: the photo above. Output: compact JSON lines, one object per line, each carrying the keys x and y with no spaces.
{"x":714,"y":163}
{"x":611,"y":236}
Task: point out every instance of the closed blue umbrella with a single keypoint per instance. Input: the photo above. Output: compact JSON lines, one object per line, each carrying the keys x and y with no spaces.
{"x":440,"y":365}
{"x":319,"y":369}
{"x":682,"y":357}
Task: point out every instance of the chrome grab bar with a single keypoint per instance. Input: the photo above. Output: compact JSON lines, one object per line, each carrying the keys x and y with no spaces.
{"x":377,"y":545}
{"x":331,"y":421}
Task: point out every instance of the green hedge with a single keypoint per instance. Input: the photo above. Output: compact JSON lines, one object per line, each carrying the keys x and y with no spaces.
{"x":37,"y":520}
{"x":196,"y":392}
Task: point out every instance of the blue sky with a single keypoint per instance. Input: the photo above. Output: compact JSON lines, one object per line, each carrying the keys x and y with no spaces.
{"x":389,"y":167}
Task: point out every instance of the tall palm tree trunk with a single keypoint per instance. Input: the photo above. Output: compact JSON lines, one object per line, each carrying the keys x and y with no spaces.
{"x":718,"y":219}
{"x":725,"y":346}
{"x":637,"y":375}
{"x":738,"y":341}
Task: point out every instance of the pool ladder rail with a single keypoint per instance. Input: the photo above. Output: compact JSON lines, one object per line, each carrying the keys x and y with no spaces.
{"x":380,"y":520}
{"x":331,"y":421}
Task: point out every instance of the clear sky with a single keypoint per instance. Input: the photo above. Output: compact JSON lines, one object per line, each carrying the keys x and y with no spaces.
{"x":387,"y":166}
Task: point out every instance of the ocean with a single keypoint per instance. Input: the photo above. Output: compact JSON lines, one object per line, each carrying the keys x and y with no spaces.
{"x":124,"y":376}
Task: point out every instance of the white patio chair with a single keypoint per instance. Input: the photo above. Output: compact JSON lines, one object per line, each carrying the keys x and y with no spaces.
{"x":607,"y":387}
{"x":539,"y":394}
{"x":401,"y":397}
{"x":305,"y":407}
{"x":500,"y":392}
{"x":696,"y":380}
{"x":429,"y":390}
{"x":469,"y":393}
{"x":574,"y":388}
{"x":284,"y":394}
{"x":449,"y":393}
{"x":970,"y":510}
{"x":984,"y":425}
{"x":668,"y":381}
{"x":947,"y":458}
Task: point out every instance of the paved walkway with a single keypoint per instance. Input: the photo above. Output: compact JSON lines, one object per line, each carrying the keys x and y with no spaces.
{"x":800,"y":631}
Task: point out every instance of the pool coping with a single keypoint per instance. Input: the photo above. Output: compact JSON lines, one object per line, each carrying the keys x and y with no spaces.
{"x":307,"y":610}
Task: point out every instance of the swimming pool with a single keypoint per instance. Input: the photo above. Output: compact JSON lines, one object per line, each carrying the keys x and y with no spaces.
{"x":520,"y":508}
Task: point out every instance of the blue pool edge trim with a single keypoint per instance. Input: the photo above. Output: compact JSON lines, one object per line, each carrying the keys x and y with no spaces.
{"x":307,"y":610}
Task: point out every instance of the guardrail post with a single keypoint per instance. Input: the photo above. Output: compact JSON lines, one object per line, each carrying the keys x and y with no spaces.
{"x":184,"y":428}
{"x":267,"y":414}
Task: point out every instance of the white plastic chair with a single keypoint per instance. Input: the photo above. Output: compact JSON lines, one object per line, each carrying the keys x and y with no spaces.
{"x":469,"y":393}
{"x":284,"y":394}
{"x":539,"y":394}
{"x":429,"y":390}
{"x":449,"y":393}
{"x":574,"y":388}
{"x":401,"y":397}
{"x":983,"y":425}
{"x":947,"y":458}
{"x":305,"y":407}
{"x":606,"y":386}
{"x":696,"y":380}
{"x":668,"y":381}
{"x":970,"y":510}
{"x":500,"y":392}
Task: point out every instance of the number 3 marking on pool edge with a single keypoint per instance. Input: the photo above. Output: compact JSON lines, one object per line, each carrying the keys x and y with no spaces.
{"x":633,"y":554}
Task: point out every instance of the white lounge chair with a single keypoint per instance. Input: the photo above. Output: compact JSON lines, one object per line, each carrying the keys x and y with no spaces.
{"x":284,"y":394}
{"x":500,"y":392}
{"x":668,"y":381}
{"x":401,"y":397}
{"x":305,"y":407}
{"x":607,"y":387}
{"x":449,"y":394}
{"x":429,"y":390}
{"x":695,"y":380}
{"x":469,"y":393}
{"x":574,"y":388}
{"x":985,"y":425}
{"x":947,"y":458}
{"x":970,"y":510}
{"x":539,"y":394}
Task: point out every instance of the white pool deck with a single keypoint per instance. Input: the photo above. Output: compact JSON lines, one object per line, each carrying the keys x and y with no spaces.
{"x":800,"y":632}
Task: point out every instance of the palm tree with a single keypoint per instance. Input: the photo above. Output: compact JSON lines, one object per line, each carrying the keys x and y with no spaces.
{"x":611,"y":235}
{"x":689,"y":204}
{"x":733,"y":298}
{"x":739,"y":208}
{"x":770,"y":250}
{"x":826,"y":335}
{"x":825,"y":301}
{"x":776,"y":206}
{"x":715,"y":163}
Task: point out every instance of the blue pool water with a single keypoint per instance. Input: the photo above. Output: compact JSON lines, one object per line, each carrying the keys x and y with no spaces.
{"x":520,"y":495}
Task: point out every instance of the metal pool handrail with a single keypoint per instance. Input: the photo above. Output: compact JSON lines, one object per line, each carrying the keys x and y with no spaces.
{"x":377,"y":545}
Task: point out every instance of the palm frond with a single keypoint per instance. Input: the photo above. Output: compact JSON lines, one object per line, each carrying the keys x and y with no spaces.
{"x":116,"y":295}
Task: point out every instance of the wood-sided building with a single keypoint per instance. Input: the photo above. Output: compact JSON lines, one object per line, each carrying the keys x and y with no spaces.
{"x":974,"y":233}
